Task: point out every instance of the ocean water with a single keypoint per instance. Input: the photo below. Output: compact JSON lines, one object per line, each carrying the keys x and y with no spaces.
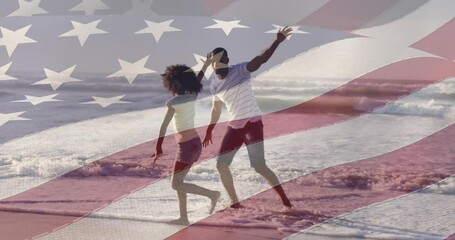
{"x":431,"y":104}
{"x":23,"y":165}
{"x":386,"y":129}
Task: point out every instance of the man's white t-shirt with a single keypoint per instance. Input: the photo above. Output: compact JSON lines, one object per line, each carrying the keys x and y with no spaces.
{"x":236,"y":93}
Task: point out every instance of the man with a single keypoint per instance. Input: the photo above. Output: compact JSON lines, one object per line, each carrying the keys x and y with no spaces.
{"x":233,"y":88}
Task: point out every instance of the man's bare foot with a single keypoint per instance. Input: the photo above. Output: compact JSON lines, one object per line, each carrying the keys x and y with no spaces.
{"x":183,"y":222}
{"x":287,"y":203}
{"x":237,"y":205}
{"x":213,"y":201}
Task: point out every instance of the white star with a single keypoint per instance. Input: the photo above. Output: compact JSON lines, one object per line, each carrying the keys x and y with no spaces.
{"x":104,"y":102}
{"x":56,"y":79}
{"x":4,"y":118}
{"x":11,"y":39}
{"x":28,"y":8}
{"x":38,"y":100}
{"x":227,"y":26}
{"x":132,"y":70}
{"x":295,"y":30}
{"x":3,"y":70}
{"x":200,"y":63}
{"x":90,"y":6}
{"x":157,"y":29}
{"x":83,"y":31}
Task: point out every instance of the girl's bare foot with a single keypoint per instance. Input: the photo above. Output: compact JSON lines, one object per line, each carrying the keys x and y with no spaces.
{"x":237,"y":205}
{"x":213,"y":201}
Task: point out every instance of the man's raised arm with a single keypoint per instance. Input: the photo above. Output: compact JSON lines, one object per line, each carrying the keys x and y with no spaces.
{"x":254,"y":64}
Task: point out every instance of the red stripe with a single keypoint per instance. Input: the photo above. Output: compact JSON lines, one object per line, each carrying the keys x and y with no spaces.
{"x":430,"y":159}
{"x":409,"y":76}
{"x":451,"y":237}
{"x":34,"y":224}
{"x":440,"y":42}
{"x":89,"y":193}
{"x":347,"y":15}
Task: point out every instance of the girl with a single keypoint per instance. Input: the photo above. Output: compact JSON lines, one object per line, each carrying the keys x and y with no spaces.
{"x":184,"y":86}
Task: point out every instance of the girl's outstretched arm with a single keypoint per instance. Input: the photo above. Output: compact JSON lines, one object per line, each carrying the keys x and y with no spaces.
{"x":167,"y":119}
{"x":214,"y":117}
{"x":207,"y":62}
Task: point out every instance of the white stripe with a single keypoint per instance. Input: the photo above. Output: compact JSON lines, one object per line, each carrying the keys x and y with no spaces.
{"x":413,"y":27}
{"x":278,"y":12}
{"x":145,"y":211}
{"x":426,"y":214}
{"x":336,"y":63}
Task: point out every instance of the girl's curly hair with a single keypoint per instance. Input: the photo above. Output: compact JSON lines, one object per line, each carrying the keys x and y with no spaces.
{"x":180,"y":79}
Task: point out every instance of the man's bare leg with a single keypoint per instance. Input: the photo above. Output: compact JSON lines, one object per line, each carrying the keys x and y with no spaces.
{"x":273,"y":181}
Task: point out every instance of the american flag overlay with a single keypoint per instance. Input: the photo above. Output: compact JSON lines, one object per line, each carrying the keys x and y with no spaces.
{"x":358,"y":111}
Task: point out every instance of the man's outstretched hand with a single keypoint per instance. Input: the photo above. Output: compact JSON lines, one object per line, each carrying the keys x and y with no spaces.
{"x":283,"y":33}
